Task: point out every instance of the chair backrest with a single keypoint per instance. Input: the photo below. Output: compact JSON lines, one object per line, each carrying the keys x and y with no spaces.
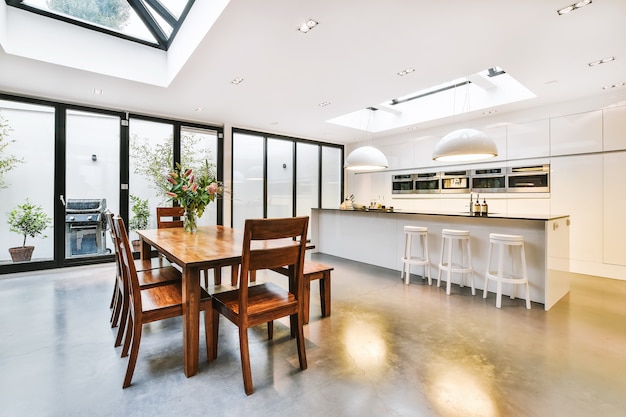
{"x":116,"y":245}
{"x":129,"y":273}
{"x":168,"y":217}
{"x":273,"y":243}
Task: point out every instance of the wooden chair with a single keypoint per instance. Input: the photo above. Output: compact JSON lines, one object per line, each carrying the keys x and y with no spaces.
{"x":249,"y":306}
{"x":312,"y":271}
{"x":150,"y":273}
{"x":169,"y":217}
{"x":150,"y":304}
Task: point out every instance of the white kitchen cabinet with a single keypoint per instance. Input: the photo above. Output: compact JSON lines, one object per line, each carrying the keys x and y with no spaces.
{"x":424,"y":148}
{"x":498,"y":135}
{"x":614,"y":229}
{"x":615,"y":128}
{"x":528,"y":140}
{"x":402,"y":155}
{"x":576,"y":189}
{"x":576,"y":133}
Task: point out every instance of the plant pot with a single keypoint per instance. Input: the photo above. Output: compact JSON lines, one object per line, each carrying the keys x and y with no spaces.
{"x":136,"y":245}
{"x":21,"y":253}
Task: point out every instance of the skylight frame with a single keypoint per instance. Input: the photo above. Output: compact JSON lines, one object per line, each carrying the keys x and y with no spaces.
{"x":162,"y":40}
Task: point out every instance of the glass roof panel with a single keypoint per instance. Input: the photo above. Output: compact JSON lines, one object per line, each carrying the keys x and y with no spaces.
{"x":152,"y":22}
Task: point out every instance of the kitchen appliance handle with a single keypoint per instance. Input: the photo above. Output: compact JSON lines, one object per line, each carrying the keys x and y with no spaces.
{"x":62,"y":200}
{"x":83,"y":227}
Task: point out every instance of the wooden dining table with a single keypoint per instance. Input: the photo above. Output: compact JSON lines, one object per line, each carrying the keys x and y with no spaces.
{"x":209,"y":247}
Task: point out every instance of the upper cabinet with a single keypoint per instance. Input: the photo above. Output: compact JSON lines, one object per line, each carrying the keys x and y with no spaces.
{"x":615,"y":129}
{"x":528,"y":140}
{"x":402,"y":155}
{"x":577,"y":133}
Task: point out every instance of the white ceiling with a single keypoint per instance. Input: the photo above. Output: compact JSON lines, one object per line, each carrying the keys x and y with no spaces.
{"x":351,"y":60}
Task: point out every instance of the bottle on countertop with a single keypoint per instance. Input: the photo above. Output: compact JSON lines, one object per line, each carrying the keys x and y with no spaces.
{"x":477,"y":206}
{"x":484,"y":209}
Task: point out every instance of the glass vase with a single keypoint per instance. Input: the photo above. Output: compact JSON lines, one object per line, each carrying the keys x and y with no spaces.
{"x":190,"y":221}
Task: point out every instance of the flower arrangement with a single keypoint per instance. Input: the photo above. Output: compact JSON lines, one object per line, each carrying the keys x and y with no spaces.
{"x":193,"y":191}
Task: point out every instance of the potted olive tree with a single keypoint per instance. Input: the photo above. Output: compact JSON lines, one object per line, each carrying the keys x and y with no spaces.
{"x":27,"y":220}
{"x":141,"y":214}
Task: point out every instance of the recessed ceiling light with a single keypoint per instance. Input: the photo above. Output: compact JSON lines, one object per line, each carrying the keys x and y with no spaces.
{"x":601,"y":61}
{"x":307,"y":26}
{"x":324,"y":104}
{"x":572,"y":7}
{"x":490,"y":112}
{"x":237,"y":81}
{"x":406,"y":72}
{"x":274,"y":123}
{"x":606,"y":87}
{"x":97,"y":91}
{"x":199,"y":109}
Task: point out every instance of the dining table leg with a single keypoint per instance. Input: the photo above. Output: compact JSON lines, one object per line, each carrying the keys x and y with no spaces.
{"x":191,"y":320}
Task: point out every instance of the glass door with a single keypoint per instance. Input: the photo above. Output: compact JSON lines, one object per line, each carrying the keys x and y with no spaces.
{"x":91,"y":182}
{"x":27,"y":138}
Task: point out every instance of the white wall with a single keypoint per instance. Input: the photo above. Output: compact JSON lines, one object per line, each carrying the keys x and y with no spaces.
{"x":585,"y":144}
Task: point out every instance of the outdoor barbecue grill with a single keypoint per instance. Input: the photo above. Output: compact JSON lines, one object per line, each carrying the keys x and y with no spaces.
{"x":85,"y":227}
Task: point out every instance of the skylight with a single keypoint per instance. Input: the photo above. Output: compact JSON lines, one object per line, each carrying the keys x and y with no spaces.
{"x":486,"y":89}
{"x":150,"y":22}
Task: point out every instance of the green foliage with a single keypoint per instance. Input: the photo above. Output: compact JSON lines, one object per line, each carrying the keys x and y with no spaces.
{"x":8,"y":162}
{"x":141,"y":213}
{"x":194,"y":190}
{"x":28,"y":220}
{"x":112,"y":14}
{"x":155,"y":162}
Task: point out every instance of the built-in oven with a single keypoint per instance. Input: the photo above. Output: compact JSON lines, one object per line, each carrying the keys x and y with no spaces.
{"x":427,"y":183}
{"x":402,"y":184}
{"x":490,"y":180}
{"x":529,"y":179}
{"x":455,"y":182}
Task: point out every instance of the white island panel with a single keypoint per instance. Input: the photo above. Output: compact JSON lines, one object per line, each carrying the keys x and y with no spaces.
{"x":377,"y":238}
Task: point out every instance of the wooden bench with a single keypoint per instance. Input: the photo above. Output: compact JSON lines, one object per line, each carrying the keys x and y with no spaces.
{"x":313,"y":271}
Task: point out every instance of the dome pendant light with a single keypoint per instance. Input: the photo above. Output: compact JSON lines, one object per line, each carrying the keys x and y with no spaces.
{"x":366,"y":158}
{"x":465,"y":145}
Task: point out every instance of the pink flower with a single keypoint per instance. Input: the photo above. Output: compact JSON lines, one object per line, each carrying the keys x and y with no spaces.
{"x":212,"y":188}
{"x":171,"y":194}
{"x":185,"y":188}
{"x":194,"y":187}
{"x":188,"y":172}
{"x":192,"y":178}
{"x":171,"y":180}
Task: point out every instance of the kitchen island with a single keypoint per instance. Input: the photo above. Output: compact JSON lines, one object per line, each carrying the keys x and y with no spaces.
{"x":376,"y":237}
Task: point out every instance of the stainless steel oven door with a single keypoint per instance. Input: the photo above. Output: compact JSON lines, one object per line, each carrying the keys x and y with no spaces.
{"x":532,"y":179}
{"x":455,"y":182}
{"x":428,"y":186}
{"x":402,"y":184}
{"x":529,"y":183}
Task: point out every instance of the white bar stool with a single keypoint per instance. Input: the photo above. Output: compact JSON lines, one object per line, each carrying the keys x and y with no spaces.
{"x":422,"y":258}
{"x":462,"y":238}
{"x":509,"y":242}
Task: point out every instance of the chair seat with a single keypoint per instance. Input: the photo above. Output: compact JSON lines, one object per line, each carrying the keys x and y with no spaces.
{"x":165,"y":301}
{"x":152,"y":263}
{"x":262,"y":298}
{"x":158,"y":276}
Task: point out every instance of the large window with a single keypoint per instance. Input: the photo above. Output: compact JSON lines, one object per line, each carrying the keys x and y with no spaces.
{"x":151,"y":158}
{"x":62,"y":161}
{"x":152,"y":22}
{"x":248,"y":177}
{"x":92,"y":175}
{"x":265,"y":183}
{"x":26,"y":178}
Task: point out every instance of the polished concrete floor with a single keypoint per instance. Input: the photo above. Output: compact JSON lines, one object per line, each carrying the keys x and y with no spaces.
{"x":387,"y":350}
